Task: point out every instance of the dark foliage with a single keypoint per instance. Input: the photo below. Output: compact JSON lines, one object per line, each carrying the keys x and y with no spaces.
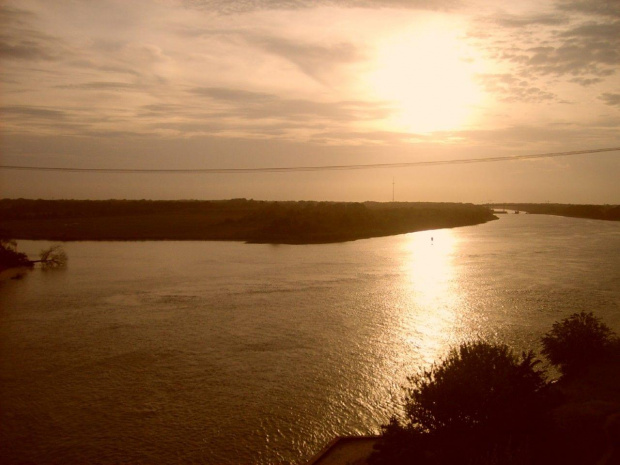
{"x":577,"y":341}
{"x":237,"y":219}
{"x":476,"y":406}
{"x":10,"y":257}
{"x":597,"y":212}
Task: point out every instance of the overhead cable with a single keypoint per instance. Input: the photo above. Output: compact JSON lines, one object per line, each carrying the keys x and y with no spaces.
{"x":288,"y":169}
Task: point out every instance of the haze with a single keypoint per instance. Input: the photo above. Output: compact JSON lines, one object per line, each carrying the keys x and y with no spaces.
{"x":220,"y":84}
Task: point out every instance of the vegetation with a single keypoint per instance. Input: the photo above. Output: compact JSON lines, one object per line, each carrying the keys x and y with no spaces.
{"x":51,"y":258}
{"x":10,"y":257}
{"x":237,"y":219}
{"x":485,"y":405}
{"x":480,"y":401}
{"x":576,"y":342}
{"x":595,"y":212}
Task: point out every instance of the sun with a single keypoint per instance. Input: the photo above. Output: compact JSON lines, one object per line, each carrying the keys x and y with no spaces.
{"x":427,"y":80}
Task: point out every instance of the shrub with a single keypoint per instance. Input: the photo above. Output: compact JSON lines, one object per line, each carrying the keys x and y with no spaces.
{"x":477,"y":384}
{"x":10,"y":257}
{"x":577,"y":341}
{"x":481,"y":398}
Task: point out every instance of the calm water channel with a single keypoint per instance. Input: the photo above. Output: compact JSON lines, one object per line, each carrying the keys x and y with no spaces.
{"x":222,"y":353}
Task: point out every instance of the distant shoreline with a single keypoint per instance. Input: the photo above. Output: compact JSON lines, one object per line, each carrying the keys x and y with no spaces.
{"x":592,"y":212}
{"x":249,"y":221}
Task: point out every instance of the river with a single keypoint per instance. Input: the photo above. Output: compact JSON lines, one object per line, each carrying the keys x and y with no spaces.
{"x":223,"y":352}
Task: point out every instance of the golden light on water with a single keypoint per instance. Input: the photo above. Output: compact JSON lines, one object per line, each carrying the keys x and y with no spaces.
{"x":432,"y":288}
{"x":428,"y":79}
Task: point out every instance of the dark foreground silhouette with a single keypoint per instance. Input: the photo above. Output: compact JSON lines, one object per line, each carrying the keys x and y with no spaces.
{"x":486,"y":405}
{"x":236,"y":220}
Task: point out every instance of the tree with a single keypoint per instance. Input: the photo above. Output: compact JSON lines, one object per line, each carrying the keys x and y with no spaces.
{"x":577,"y":341}
{"x":481,"y":399}
{"x":53,"y":257}
{"x":10,"y":257}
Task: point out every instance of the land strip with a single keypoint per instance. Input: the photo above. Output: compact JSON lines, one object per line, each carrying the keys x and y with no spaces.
{"x":595,"y":212}
{"x":231,"y":220}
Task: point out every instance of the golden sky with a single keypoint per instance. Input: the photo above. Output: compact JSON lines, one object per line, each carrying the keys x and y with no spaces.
{"x":258,"y":83}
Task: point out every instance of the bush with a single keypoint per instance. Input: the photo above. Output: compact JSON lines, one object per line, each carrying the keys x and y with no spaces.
{"x":477,"y":384}
{"x":577,"y":341}
{"x":480,"y":400}
{"x":10,"y":257}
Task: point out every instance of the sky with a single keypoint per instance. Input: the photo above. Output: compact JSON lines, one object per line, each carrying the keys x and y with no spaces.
{"x":205,"y":84}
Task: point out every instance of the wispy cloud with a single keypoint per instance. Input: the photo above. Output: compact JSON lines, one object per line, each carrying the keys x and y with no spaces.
{"x":244,"y":6}
{"x":611,"y":99}
{"x":238,"y":103}
{"x":261,"y":69}
{"x":314,"y":60}
{"x":530,"y":20}
{"x":20,"y":40}
{"x":603,"y":8}
{"x":36,"y":112}
{"x":510,"y":88}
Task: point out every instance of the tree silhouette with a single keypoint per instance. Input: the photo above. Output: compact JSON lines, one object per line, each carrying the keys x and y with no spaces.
{"x":53,"y":257}
{"x":576,"y":342}
{"x":10,"y":257}
{"x":481,"y":398}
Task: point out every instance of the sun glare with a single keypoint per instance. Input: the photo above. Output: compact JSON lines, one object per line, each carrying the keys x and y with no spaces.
{"x":432,"y":289}
{"x":428,"y":80}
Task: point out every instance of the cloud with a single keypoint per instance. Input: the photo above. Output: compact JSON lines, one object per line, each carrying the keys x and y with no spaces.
{"x":567,"y":135}
{"x":610,"y":99}
{"x":245,"y":6}
{"x":258,"y":105}
{"x":510,"y":88}
{"x":577,"y":42}
{"x":596,"y":30}
{"x":312,"y":59}
{"x":520,"y":21}
{"x":100,"y":85}
{"x":23,"y":50}
{"x":36,"y":112}
{"x":587,"y":49}
{"x":585,"y":82}
{"x":14,"y":16}
{"x":365,"y":137}
{"x":605,"y":8}
{"x":233,"y":95}
{"x":581,"y":57}
{"x":26,"y":44}
{"x":316,"y":59}
{"x":20,"y":40}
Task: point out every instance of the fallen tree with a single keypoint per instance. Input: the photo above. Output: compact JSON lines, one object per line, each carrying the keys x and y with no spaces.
{"x":52,"y":257}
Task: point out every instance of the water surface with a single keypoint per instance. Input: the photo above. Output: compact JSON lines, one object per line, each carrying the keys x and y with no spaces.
{"x":222,"y":352}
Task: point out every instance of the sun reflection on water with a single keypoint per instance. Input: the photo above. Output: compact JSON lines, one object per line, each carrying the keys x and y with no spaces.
{"x":432,"y":293}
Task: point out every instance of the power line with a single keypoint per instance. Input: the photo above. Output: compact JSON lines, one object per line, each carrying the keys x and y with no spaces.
{"x":288,"y":169}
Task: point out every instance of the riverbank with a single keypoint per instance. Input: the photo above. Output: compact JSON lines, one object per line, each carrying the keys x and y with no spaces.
{"x":230,"y":220}
{"x":593,"y":212}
